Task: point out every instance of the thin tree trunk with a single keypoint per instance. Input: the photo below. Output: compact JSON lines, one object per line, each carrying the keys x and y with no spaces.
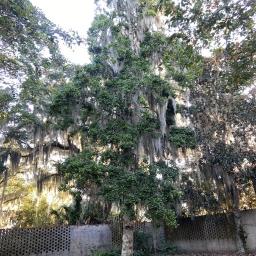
{"x":154,"y":236}
{"x":253,"y":179}
{"x":2,"y":195}
{"x":240,"y":233}
{"x":127,"y":240}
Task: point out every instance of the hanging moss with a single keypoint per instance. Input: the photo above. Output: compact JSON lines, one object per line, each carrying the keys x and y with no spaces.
{"x":182,"y":137}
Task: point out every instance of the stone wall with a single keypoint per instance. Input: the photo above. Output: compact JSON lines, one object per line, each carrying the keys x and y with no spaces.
{"x":214,"y":233}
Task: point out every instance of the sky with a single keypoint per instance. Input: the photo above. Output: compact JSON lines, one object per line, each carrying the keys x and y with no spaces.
{"x":74,"y":15}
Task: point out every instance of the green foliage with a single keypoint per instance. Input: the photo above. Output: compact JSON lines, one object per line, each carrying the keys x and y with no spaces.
{"x":166,"y":249}
{"x":6,"y":98}
{"x":153,"y":42}
{"x":122,"y":46}
{"x":149,"y":7}
{"x":123,"y":93}
{"x":112,"y":102}
{"x":83,"y":168}
{"x":62,"y":106}
{"x":182,"y":137}
{"x":33,"y":213}
{"x":183,"y":63}
{"x":181,"y":59}
{"x":100,"y":23}
{"x":116,"y":132}
{"x":99,"y":26}
{"x":149,"y":124}
{"x":30,"y":66}
{"x":228,"y":30}
{"x":203,"y":24}
{"x":80,"y":212}
{"x":122,"y":134}
{"x":160,"y":88}
{"x":142,"y":243}
{"x":160,"y":185}
{"x":106,"y":253}
{"x":69,"y":214}
{"x":24,"y":32}
{"x":126,"y":188}
{"x":242,"y":66}
{"x":151,"y":12}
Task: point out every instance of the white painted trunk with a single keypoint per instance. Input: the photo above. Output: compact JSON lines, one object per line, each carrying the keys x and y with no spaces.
{"x":127,"y":242}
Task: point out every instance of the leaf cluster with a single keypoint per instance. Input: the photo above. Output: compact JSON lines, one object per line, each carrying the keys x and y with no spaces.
{"x":151,"y":186}
{"x":182,"y":137}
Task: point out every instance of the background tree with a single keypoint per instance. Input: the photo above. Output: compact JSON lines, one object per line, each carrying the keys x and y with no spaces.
{"x":31,"y":66}
{"x":222,"y":111}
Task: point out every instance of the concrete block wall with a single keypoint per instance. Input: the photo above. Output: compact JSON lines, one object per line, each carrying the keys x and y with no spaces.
{"x":248,"y":220}
{"x":213,"y":233}
{"x":202,"y":234}
{"x":85,"y":239}
{"x":55,"y":241}
{"x":213,"y":245}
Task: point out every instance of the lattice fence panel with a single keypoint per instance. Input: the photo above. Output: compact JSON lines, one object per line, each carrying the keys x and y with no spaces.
{"x":17,"y":242}
{"x":204,"y":228}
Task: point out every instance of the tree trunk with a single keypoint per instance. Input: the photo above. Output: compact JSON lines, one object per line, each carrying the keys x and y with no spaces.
{"x":127,"y":240}
{"x":253,"y":179}
{"x":154,"y":236}
{"x":2,"y":196}
{"x":240,"y":233}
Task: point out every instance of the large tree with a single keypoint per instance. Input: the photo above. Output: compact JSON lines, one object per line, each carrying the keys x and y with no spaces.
{"x":122,"y":106}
